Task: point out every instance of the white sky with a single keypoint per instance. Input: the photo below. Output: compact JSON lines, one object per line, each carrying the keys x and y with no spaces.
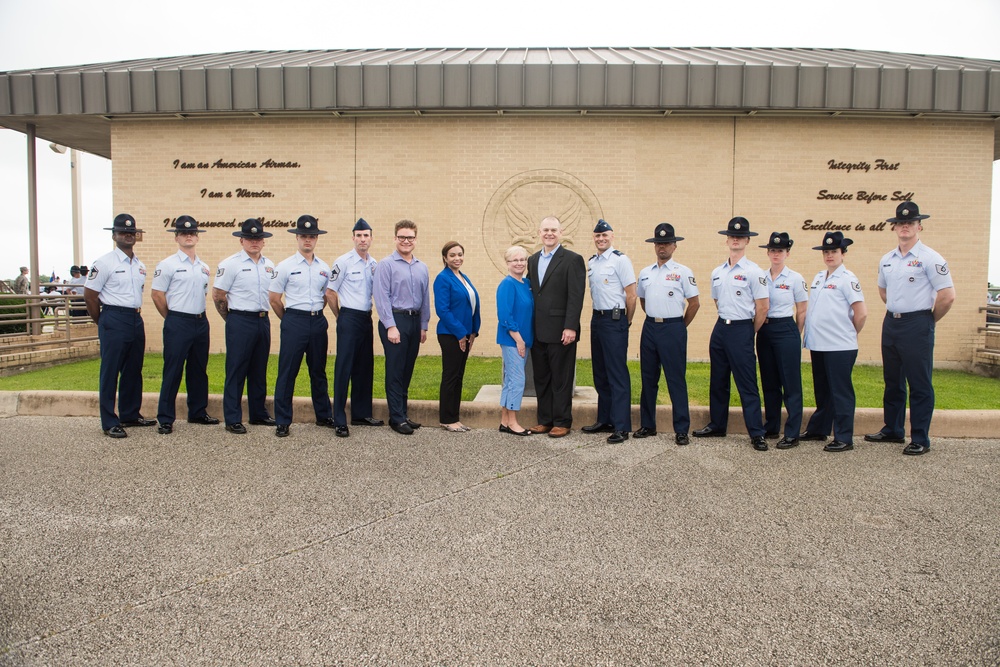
{"x":46,"y":33}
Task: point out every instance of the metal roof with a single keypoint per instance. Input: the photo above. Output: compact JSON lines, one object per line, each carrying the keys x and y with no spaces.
{"x":75,"y":106}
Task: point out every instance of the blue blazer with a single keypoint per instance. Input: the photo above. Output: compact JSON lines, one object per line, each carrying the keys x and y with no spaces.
{"x":451,"y":303}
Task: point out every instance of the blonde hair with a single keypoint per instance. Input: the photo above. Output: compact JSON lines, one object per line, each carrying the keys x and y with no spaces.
{"x":509,"y":253}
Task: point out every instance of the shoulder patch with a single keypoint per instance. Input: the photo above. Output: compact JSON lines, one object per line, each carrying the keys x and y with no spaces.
{"x":692,"y":281}
{"x":336,"y":272}
{"x":804,"y":284}
{"x":763,"y":281}
{"x":218,"y":274}
{"x":942,"y":269}
{"x":856,"y":286}
{"x":93,"y":273}
{"x":274,"y":274}
{"x":156,"y":273}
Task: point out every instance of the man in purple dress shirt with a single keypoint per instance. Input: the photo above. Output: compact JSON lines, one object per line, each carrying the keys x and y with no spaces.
{"x":402,"y":299}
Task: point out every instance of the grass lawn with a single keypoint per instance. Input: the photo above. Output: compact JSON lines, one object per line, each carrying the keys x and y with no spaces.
{"x":954,"y":390}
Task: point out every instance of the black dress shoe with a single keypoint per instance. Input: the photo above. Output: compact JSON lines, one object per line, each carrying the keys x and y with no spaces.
{"x":617,"y":437}
{"x":807,"y":436}
{"x":759,"y":443}
{"x":342,"y":431}
{"x":772,"y":435}
{"x":412,"y":424}
{"x":644,"y":432}
{"x":204,"y":419}
{"x":598,"y":427}
{"x":913,"y":449}
{"x":403,"y":428}
{"x":281,"y":430}
{"x":787,"y":443}
{"x":116,"y":432}
{"x":141,"y":421}
{"x":682,"y":439}
{"x":328,"y":422}
{"x":237,"y":428}
{"x":367,"y":421}
{"x":266,"y":421}
{"x":883,"y":437}
{"x":165,"y":429}
{"x":839,"y":446}
{"x":709,"y":432}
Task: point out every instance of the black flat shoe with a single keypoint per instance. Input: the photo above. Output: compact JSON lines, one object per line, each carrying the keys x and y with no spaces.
{"x":116,"y":432}
{"x":403,"y":428}
{"x":281,"y":430}
{"x":787,"y":443}
{"x":237,"y":428}
{"x":617,"y":437}
{"x":367,"y":421}
{"x":759,"y":443}
{"x":508,"y":429}
{"x":682,"y":439}
{"x":883,"y":437}
{"x":165,"y":429}
{"x":709,"y":432}
{"x":205,"y":420}
{"x":342,"y":431}
{"x":598,"y":427}
{"x":141,"y":421}
{"x":838,"y":446}
{"x":266,"y":421}
{"x":807,"y":436}
{"x":644,"y":432}
{"x":913,"y":449}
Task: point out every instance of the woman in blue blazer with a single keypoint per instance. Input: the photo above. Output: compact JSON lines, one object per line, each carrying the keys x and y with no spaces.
{"x":456,"y":303}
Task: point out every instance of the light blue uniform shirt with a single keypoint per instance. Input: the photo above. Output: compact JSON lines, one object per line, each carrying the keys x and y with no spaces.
{"x":351,"y":278}
{"x":245,"y":282}
{"x":78,"y":284}
{"x":788,"y":289}
{"x":666,"y":289}
{"x":609,"y":273}
{"x":184,"y":281}
{"x":118,"y":279}
{"x":912,"y":281}
{"x":737,"y":287}
{"x":303,"y":283}
{"x":830,"y":327}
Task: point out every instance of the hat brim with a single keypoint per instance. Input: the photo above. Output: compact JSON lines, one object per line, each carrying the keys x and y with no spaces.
{"x":262,"y":235}
{"x":309,"y":232}
{"x":775,"y":247}
{"x":847,"y":242}
{"x":910,"y":219}
{"x":726,"y":232}
{"x":123,"y":229}
{"x":675,"y":239}
{"x":178,"y":231}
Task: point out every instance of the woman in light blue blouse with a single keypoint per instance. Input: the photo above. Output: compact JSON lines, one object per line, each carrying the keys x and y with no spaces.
{"x":515,"y":322}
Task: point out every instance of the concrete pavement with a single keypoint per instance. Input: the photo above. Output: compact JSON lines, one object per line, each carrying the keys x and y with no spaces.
{"x":486,"y":549}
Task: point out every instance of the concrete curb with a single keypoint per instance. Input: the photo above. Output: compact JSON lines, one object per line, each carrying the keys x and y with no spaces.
{"x":479,"y":413}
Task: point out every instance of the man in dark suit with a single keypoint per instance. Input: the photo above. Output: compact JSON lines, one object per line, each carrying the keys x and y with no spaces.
{"x":558,"y":278}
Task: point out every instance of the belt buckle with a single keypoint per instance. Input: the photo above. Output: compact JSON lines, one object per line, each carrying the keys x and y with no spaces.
{"x":897,"y":316}
{"x":658,"y":320}
{"x":262,"y":314}
{"x":729,"y":321}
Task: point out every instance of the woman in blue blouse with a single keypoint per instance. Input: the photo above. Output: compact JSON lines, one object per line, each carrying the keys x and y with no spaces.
{"x":515,"y":321}
{"x":456,"y":303}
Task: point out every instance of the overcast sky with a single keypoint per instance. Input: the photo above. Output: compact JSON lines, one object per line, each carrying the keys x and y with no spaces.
{"x":47,"y":33}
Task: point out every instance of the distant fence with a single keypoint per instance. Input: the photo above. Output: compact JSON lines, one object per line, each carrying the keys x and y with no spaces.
{"x":987,"y":354}
{"x":43,"y":329}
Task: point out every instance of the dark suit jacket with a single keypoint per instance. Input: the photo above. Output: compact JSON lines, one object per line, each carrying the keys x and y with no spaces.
{"x":559,"y":299}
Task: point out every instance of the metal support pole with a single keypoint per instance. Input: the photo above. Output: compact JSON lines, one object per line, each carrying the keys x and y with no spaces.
{"x":75,"y":176}
{"x":34,"y":311}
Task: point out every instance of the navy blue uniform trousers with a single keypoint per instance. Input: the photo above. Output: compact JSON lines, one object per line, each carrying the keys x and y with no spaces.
{"x":355,"y":365}
{"x":664,"y":345}
{"x":908,"y":359}
{"x":779,"y":354}
{"x":302,"y":333}
{"x":400,"y":359}
{"x":123,"y":344}
{"x":731,"y":351}
{"x":248,"y":344}
{"x":609,"y":356}
{"x":834,"y":392}
{"x":185,"y":352}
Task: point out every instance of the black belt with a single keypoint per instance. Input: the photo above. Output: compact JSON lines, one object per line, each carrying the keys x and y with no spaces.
{"x":903,"y":316}
{"x":249,"y":313}
{"x":190,"y":316}
{"x":722,"y":321}
{"x":659,"y":320}
{"x":121,"y":309}
{"x":607,"y":312}
{"x":405,"y":312}
{"x":775,"y":320}
{"x":307,"y":313}
{"x":355,"y":310}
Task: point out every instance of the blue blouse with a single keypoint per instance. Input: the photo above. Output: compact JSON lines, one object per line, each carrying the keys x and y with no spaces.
{"x":515,"y":311}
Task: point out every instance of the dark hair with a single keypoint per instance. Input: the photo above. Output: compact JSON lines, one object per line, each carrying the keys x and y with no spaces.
{"x":448,"y":246}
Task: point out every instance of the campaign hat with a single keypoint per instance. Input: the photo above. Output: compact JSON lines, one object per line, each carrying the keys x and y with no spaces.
{"x":738,"y":226}
{"x":124,"y":222}
{"x":778,"y":241}
{"x":833,"y":241}
{"x":306,"y":224}
{"x":908,"y":211}
{"x":664,"y":233}
{"x":185,"y":223}
{"x":252,"y":229}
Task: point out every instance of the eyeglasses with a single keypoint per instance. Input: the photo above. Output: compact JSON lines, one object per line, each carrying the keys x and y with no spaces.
{"x":406,"y":239}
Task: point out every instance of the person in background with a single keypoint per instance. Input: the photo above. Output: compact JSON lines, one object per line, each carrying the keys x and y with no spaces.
{"x":515,"y":321}
{"x":837,"y":313}
{"x":779,"y":343}
{"x":76,"y":282}
{"x":456,"y":303}
{"x":22,"y":285}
